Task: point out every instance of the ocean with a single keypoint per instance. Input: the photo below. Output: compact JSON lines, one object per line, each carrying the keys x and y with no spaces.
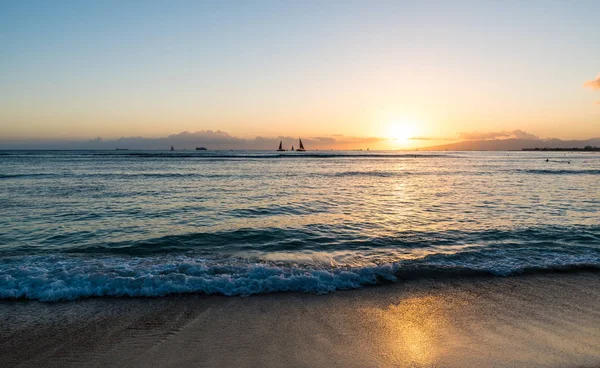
{"x":76,"y":224}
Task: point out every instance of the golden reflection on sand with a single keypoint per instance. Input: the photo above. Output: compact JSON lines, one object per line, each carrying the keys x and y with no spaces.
{"x":410,"y":331}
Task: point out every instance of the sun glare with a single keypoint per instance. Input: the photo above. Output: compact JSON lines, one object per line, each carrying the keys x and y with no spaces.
{"x":401,"y":131}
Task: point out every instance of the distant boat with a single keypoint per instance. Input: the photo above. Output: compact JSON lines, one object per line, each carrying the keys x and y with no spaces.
{"x":292,"y":149}
{"x":280,"y":146}
{"x":122,"y":149}
{"x":200,"y":148}
{"x":301,"y":148}
{"x":172,"y":148}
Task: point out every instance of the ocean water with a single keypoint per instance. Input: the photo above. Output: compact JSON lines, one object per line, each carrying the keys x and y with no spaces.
{"x":126,"y":223}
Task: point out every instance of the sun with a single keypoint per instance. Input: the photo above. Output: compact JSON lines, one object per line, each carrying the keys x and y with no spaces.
{"x":401,"y":130}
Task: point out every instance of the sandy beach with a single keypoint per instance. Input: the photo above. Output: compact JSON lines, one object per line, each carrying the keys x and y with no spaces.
{"x":549,"y":320}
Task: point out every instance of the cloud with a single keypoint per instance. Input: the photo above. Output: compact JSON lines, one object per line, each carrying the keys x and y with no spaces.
{"x":361,"y":140}
{"x":202,"y":134}
{"x":431,"y":139}
{"x":477,"y":136}
{"x":329,"y":140}
{"x":420,"y":138}
{"x":593,"y":84}
{"x":213,"y":140}
{"x":524,"y":135}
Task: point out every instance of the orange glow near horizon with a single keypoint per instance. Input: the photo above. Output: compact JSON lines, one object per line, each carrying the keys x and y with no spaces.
{"x":401,"y":130}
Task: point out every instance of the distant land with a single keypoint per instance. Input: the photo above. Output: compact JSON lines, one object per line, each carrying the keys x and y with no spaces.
{"x":514,"y":144}
{"x":584,"y":149}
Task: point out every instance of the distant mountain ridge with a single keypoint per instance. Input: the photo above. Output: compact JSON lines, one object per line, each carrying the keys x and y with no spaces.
{"x":512,"y":144}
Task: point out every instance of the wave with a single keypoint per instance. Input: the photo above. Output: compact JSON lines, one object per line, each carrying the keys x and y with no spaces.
{"x":117,"y":175}
{"x":64,"y":277}
{"x":378,"y":173}
{"x":32,"y":175}
{"x":560,"y":172}
{"x":312,"y":259}
{"x":307,"y":238}
{"x":192,"y":175}
{"x":260,"y":212}
{"x":160,"y":175}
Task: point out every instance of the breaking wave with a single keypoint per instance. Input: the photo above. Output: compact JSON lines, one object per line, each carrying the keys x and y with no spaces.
{"x":69,"y":277}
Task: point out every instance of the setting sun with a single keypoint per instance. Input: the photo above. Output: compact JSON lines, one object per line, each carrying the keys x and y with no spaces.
{"x":401,"y":130}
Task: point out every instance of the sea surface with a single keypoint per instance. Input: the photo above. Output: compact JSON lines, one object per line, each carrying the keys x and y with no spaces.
{"x":79,"y":224}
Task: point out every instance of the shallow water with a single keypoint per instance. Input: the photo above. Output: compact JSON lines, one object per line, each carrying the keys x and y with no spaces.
{"x":126,"y":223}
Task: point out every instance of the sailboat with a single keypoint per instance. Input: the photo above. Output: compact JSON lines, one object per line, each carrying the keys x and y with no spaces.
{"x":301,"y":148}
{"x":280,"y":146}
{"x":292,"y":149}
{"x":172,"y":148}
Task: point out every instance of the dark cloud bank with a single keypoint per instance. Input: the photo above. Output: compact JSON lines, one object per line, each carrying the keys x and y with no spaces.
{"x":214,"y":140}
{"x":218,"y":140}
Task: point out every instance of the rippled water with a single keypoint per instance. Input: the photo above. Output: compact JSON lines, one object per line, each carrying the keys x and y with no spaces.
{"x":123,"y":223}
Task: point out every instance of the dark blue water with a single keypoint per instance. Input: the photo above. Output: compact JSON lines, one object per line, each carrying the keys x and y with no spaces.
{"x":123,"y":223}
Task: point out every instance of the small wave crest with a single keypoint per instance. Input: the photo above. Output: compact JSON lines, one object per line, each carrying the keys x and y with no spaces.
{"x":559,"y":172}
{"x":26,"y":176}
{"x":377,"y":173}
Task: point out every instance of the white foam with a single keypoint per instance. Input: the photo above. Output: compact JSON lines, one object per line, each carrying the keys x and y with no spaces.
{"x":67,"y":277}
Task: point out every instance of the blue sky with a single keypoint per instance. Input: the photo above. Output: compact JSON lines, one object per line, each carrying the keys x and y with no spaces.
{"x":75,"y":69}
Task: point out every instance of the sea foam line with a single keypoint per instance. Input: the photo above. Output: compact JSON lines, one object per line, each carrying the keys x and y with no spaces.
{"x":64,"y":277}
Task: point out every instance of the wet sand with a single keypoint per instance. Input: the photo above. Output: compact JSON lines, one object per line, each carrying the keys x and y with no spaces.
{"x":549,"y":320}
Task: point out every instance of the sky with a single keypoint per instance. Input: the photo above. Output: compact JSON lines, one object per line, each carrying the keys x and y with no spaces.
{"x":394,"y":74}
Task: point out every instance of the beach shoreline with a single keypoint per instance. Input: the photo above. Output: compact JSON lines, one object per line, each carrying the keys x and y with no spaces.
{"x":548,"y":320}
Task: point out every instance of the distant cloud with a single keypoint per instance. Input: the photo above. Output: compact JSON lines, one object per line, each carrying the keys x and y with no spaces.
{"x":203,"y":134}
{"x":518,"y":133}
{"x":329,"y":140}
{"x":360,"y":140}
{"x":219,"y":140}
{"x":476,"y":136}
{"x":213,"y":140}
{"x":524,"y":135}
{"x":593,"y":84}
{"x":431,"y":139}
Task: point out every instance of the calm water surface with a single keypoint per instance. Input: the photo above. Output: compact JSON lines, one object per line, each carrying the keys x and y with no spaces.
{"x":126,"y":223}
